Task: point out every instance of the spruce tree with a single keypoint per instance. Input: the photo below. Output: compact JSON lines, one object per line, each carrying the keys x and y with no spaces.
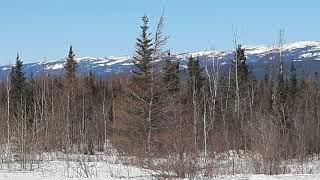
{"x":143,"y":58}
{"x":268,"y":92}
{"x":71,"y":65}
{"x":293,"y":82}
{"x":195,"y":74}
{"x":18,"y":82}
{"x":171,"y":76}
{"x":70,"y":87}
{"x":145,"y":85}
{"x":282,"y":89}
{"x":292,"y":93}
{"x":242,"y":67}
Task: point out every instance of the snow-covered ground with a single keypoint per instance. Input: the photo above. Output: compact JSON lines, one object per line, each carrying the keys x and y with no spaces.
{"x":110,"y":165}
{"x":58,"y":166}
{"x":33,"y":176}
{"x":58,"y":171}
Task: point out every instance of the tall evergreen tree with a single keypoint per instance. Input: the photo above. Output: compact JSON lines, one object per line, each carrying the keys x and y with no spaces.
{"x":71,"y":65}
{"x":171,"y":76}
{"x":293,"y":82}
{"x":145,"y":86}
{"x":242,"y":67}
{"x":195,"y":74}
{"x":143,"y":58}
{"x":70,"y":88}
{"x":18,"y":82}
{"x":282,"y":89}
{"x":282,"y":98}
{"x":268,"y":92}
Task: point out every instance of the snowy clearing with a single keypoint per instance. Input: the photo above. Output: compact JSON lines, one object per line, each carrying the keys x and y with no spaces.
{"x":59,"y":166}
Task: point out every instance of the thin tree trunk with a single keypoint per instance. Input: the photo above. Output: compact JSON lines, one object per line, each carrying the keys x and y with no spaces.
{"x":194,"y":102}
{"x":8,"y":88}
{"x":205,"y":128}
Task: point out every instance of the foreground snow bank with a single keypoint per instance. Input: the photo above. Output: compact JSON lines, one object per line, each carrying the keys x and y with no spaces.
{"x":80,"y":168}
{"x":110,"y":165}
{"x":56,"y":176}
{"x":109,"y":168}
{"x":61,"y":166}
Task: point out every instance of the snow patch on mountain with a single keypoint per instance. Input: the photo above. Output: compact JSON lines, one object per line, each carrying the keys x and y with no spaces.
{"x":56,"y":66}
{"x":301,"y":44}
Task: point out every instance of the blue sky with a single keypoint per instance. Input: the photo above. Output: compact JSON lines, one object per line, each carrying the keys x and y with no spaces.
{"x":45,"y":28}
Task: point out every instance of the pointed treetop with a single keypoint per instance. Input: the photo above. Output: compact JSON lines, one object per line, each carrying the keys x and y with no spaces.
{"x":71,"y":64}
{"x":143,"y":59}
{"x":18,"y":62}
{"x":145,"y":19}
{"x":70,"y":51}
{"x":144,"y":27}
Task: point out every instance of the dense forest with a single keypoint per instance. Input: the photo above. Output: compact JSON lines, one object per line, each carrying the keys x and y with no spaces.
{"x":162,"y":111}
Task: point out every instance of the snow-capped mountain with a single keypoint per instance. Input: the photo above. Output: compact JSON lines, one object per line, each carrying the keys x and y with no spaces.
{"x":305,"y":54}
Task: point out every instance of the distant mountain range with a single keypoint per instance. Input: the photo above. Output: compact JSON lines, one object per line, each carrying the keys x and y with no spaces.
{"x":305,"y":55}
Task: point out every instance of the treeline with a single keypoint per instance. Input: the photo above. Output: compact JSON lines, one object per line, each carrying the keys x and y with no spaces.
{"x":153,"y":112}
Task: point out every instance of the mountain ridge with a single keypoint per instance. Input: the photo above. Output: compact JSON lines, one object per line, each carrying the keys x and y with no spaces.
{"x":301,"y":52}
